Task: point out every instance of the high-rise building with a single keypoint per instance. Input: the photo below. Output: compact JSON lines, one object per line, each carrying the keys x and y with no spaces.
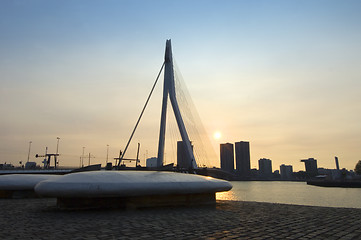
{"x":265,"y":168}
{"x":286,"y":172}
{"x":311,"y":167}
{"x":337,"y":165}
{"x":151,"y":162}
{"x":182,"y":160}
{"x":243,"y":161}
{"x":227,"y":157}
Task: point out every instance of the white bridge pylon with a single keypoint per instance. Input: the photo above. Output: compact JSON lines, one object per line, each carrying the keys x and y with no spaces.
{"x":169,"y":90}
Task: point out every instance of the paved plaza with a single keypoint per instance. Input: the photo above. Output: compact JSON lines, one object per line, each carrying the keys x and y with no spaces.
{"x":40,"y":219}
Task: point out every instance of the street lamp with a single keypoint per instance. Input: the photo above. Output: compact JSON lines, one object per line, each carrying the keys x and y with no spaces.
{"x":57,"y":152}
{"x":57,"y":145}
{"x":82,"y":158}
{"x":107,"y":152}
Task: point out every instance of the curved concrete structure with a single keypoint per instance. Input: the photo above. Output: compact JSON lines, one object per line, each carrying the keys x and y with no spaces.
{"x":129,"y":183}
{"x":131,"y":188}
{"x":21,"y":185}
{"x":23,"y":181}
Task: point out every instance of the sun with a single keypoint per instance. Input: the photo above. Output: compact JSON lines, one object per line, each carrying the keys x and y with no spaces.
{"x":217,"y":135}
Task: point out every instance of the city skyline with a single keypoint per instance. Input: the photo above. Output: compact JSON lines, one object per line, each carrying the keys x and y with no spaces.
{"x":282,"y":75}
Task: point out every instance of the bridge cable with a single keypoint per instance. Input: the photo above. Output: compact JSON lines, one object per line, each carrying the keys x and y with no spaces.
{"x":202,"y":147}
{"x":121,"y":156}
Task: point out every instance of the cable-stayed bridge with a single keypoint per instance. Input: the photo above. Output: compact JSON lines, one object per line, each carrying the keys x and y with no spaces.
{"x":177,"y":104}
{"x":90,"y":188}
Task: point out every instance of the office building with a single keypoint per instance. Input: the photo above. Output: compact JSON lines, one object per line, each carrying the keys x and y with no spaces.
{"x":311,"y":167}
{"x":182,"y":160}
{"x":243,"y":161}
{"x":265,"y":168}
{"x":286,"y":172}
{"x":337,"y":165}
{"x":227,"y":157}
{"x":151,"y":162}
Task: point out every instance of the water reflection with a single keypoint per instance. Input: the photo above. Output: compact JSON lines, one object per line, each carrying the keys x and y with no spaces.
{"x":230,"y":195}
{"x":293,"y":193}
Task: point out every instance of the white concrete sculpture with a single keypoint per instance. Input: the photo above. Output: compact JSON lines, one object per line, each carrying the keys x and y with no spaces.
{"x":131,"y":188}
{"x":21,"y":185}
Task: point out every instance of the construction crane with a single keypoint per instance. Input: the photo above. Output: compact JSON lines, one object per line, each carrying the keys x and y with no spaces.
{"x":47,"y":158}
{"x":120,"y":159}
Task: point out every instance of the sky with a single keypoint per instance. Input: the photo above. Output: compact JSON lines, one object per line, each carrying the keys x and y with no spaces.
{"x":283,"y":75}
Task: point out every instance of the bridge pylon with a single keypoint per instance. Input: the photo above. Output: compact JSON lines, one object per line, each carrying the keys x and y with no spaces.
{"x":169,"y":90}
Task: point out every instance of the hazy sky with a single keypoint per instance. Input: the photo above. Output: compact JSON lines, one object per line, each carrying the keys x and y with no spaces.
{"x":284,"y":75}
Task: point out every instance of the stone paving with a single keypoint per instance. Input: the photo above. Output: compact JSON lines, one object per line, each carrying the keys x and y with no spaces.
{"x":40,"y":219}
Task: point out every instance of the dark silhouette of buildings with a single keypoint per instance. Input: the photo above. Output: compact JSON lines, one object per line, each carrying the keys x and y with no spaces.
{"x":276,"y":174}
{"x":243,"y":162}
{"x":182,"y":160}
{"x":265,"y":168}
{"x":286,"y":172}
{"x":311,"y":167}
{"x":227,"y":157}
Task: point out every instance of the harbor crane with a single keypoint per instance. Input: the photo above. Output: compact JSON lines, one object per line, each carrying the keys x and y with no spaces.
{"x":47,"y":158}
{"x":119,"y":159}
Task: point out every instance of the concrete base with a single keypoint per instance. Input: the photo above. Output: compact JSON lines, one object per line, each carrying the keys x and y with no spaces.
{"x":15,"y":194}
{"x":137,"y":202}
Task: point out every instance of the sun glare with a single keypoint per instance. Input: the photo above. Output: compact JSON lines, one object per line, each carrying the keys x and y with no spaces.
{"x":217,"y":135}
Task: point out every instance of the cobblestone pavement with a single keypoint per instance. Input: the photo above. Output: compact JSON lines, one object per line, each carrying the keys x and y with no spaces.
{"x":40,"y":219}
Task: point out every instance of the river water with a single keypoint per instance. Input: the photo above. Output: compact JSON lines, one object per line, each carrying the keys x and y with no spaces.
{"x":292,"y":193}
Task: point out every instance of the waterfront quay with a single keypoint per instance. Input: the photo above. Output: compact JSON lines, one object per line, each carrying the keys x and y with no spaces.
{"x":41,"y":219}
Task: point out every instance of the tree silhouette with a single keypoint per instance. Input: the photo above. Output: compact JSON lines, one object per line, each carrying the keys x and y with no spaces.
{"x":358,"y":167}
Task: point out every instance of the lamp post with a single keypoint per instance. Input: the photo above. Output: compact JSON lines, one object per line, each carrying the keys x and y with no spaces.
{"x":29,"y":150}
{"x":82,"y":158}
{"x":57,"y":151}
{"x":57,"y":145}
{"x":107,"y":152}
